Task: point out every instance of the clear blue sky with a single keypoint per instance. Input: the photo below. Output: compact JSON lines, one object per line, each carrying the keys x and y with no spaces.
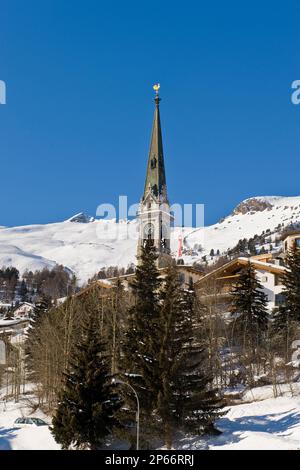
{"x":75,"y":131}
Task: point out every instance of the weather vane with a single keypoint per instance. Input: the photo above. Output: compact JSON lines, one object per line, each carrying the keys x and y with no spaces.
{"x":156,"y":88}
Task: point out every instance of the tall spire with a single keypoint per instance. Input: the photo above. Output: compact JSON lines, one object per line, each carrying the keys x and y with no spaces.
{"x":155,"y":177}
{"x":154,"y":210}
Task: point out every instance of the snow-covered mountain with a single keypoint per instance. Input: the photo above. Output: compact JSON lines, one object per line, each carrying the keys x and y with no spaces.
{"x":251,"y":217}
{"x":84,"y":244}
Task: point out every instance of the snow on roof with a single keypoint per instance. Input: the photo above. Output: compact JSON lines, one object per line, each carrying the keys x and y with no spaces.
{"x":263,"y":264}
{"x":274,"y":268}
{"x":290,"y":233}
{"x":11,"y":322}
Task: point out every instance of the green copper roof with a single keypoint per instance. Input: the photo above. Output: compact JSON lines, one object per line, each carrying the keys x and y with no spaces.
{"x":156,"y":178}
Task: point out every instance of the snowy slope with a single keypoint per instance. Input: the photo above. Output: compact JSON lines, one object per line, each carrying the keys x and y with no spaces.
{"x":226,"y":234}
{"x":265,"y":423}
{"x":261,"y":423}
{"x":13,"y":437}
{"x":84,"y":245}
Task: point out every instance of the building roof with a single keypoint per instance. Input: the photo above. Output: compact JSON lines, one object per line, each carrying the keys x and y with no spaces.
{"x":24,"y":304}
{"x":181,"y":267}
{"x":99,"y":284}
{"x":265,"y":256}
{"x":228,"y":269}
{"x":291,"y":233}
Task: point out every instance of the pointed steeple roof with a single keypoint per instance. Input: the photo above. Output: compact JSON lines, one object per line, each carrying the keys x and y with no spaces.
{"x":155,"y":177}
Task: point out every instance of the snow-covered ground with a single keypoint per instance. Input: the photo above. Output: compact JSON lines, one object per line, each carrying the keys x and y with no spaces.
{"x":263,"y":424}
{"x":270,"y":424}
{"x":266,"y":423}
{"x":28,"y":437}
{"x":85,"y":245}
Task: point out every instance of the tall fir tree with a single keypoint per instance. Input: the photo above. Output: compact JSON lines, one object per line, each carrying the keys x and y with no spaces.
{"x":9,"y":313}
{"x":286,"y":318}
{"x":249,"y":306}
{"x":186,"y":398}
{"x":23,"y":291}
{"x":116,"y":306}
{"x":88,"y":404}
{"x":41,"y":308}
{"x":141,"y":342}
{"x":291,"y":282}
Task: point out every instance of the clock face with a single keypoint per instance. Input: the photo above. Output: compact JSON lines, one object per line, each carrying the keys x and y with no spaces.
{"x":149,"y":231}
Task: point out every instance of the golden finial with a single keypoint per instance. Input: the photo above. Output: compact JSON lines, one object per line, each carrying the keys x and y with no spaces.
{"x":156,"y":88}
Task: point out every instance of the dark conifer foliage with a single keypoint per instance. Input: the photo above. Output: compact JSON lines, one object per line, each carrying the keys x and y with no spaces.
{"x":249,"y":306}
{"x":41,"y":308}
{"x":88,"y":403}
{"x":291,"y":281}
{"x":141,"y":344}
{"x":23,"y":291}
{"x":116,"y":316}
{"x":186,"y":398}
{"x":286,"y":317}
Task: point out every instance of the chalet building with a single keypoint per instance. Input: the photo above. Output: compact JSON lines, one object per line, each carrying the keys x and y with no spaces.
{"x":102,"y":287}
{"x":186,"y":276}
{"x":24,"y":310}
{"x":290,"y":240}
{"x":217,"y":285}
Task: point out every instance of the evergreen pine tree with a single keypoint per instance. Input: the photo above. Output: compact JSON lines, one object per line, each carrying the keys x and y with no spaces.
{"x":88,"y":403}
{"x":41,"y":308}
{"x":10,"y":313}
{"x":116,"y":306}
{"x":291,"y":282}
{"x":23,"y":291}
{"x":249,"y":304}
{"x":186,"y":398}
{"x":141,"y":343}
{"x":286,"y":318}
{"x":252,"y":246}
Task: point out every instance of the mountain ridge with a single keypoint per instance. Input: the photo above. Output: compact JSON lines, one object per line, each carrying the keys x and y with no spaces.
{"x":84,"y":245}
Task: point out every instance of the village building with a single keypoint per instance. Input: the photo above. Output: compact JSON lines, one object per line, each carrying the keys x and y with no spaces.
{"x":217,"y":285}
{"x":187,"y":275}
{"x":24,"y":310}
{"x":290,"y":240}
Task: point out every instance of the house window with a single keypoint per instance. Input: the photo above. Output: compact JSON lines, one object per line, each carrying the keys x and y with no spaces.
{"x":181,"y":278}
{"x":297,"y":242}
{"x":279,"y":299}
{"x":264,"y":279}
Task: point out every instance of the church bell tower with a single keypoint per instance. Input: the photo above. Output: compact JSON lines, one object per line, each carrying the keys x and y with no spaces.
{"x":154,"y":211}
